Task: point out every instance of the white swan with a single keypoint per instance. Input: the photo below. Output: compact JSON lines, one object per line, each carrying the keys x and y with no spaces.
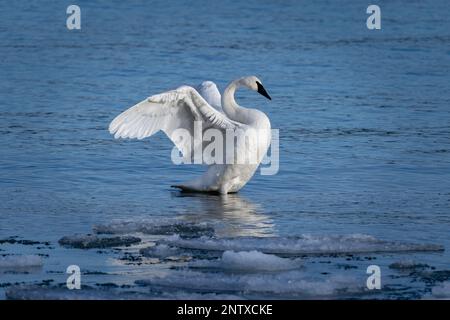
{"x":180,"y":108}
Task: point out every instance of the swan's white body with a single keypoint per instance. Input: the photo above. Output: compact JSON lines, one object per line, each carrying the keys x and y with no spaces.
{"x":180,"y":108}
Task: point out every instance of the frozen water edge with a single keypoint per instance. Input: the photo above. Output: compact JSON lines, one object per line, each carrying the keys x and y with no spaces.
{"x":302,"y":267}
{"x":301,"y":245}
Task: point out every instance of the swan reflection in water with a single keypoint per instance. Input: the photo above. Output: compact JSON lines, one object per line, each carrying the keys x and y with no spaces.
{"x":232,"y":215}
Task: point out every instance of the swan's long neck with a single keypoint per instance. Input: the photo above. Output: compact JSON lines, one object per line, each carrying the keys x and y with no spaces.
{"x":230,"y":107}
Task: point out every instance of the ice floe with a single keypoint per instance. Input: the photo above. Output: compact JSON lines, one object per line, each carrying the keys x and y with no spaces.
{"x":408,"y":265}
{"x":248,"y":261}
{"x":15,"y":240}
{"x":32,"y":292}
{"x":441,"y":291}
{"x":289,"y":283}
{"x":42,"y":293}
{"x":160,"y":251}
{"x":12,"y":262}
{"x":88,"y":241}
{"x":301,"y":245}
{"x":161,"y":226}
{"x":188,"y":261}
{"x":434,"y":276}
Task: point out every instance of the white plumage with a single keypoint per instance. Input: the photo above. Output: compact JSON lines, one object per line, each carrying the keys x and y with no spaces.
{"x":180,"y":108}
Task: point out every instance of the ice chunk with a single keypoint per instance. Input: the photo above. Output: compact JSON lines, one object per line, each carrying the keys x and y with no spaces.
{"x":248,"y":261}
{"x":435,"y":276}
{"x":34,"y":292}
{"x":89,"y":241}
{"x":160,"y":251}
{"x":165,"y":252}
{"x":304,"y":244}
{"x":14,"y":240}
{"x":58,"y":293}
{"x":290,"y":283}
{"x":20,"y":261}
{"x":408,"y":265}
{"x":441,"y":291}
{"x":181,"y":295}
{"x":162,"y":226}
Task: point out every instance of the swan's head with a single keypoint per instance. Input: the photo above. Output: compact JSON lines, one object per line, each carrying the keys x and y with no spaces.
{"x":253,"y":83}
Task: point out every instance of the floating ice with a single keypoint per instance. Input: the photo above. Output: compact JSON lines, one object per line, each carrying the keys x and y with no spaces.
{"x":181,"y":295}
{"x":408,"y":265}
{"x":160,"y":251}
{"x":290,"y":283}
{"x":20,"y":261}
{"x":248,"y":261}
{"x":89,"y":241}
{"x":435,"y":276}
{"x":57,"y":293}
{"x":14,"y":240}
{"x":305,"y":244}
{"x":441,"y":291}
{"x":162,"y":226}
{"x":168,"y":253}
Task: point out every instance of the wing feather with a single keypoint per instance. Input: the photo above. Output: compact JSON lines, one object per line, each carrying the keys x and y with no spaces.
{"x":209,"y":91}
{"x":168,"y":111}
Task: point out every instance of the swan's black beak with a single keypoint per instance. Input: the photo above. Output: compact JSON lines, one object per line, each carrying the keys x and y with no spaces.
{"x":262,"y":91}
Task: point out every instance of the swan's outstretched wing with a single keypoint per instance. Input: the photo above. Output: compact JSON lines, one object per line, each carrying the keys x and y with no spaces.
{"x":209,"y":91}
{"x":169,"y":111}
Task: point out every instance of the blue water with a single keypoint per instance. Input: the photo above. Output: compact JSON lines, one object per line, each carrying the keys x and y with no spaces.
{"x":363,"y":117}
